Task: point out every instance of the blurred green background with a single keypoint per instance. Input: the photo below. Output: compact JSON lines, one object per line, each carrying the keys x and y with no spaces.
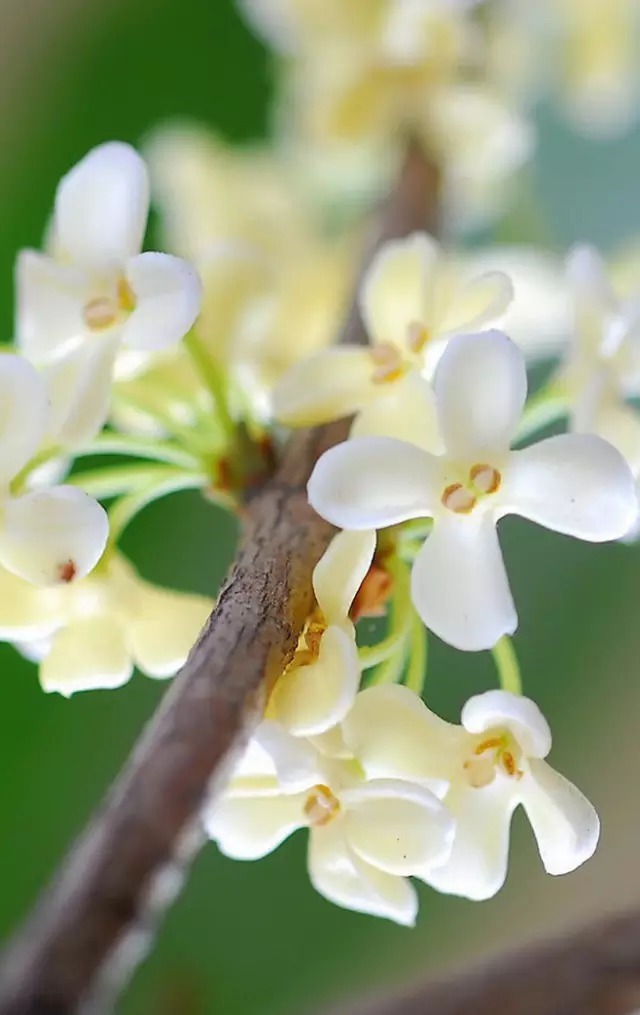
{"x":254,"y":939}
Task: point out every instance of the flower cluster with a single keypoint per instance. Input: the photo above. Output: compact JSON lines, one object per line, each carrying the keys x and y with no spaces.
{"x":183,"y":370}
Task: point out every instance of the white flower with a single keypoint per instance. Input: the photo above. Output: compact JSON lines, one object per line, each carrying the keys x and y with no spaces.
{"x":96,"y":290}
{"x":491,"y":764}
{"x":413,"y":299}
{"x":366,"y":836}
{"x":319,"y":687}
{"x":47,"y":535}
{"x":91,"y":634}
{"x":577,"y":484}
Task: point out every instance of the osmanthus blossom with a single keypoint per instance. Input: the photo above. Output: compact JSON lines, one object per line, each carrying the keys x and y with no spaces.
{"x":91,"y":634}
{"x":413,"y":299}
{"x":491,"y":764}
{"x":50,"y":534}
{"x":577,"y":484}
{"x":94,"y":292}
{"x":319,"y":687}
{"x":367,"y":836}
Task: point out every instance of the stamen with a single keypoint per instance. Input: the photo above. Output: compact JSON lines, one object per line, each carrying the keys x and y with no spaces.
{"x":373,"y":595}
{"x":67,"y":571}
{"x":417,"y":336}
{"x":126,"y":296}
{"x":485,"y":478}
{"x":321,"y":806}
{"x":457,"y":498}
{"x":100,"y":313}
{"x":492,"y":744}
{"x":388,"y":363}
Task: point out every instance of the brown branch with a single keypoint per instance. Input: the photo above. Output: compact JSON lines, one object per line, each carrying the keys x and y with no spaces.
{"x":594,"y":971}
{"x":125,"y":868}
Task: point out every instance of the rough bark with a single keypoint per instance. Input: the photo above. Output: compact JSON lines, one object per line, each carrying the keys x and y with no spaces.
{"x":97,"y":918}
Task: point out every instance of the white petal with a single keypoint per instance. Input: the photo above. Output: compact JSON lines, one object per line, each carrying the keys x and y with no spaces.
{"x":168,"y":295}
{"x":520,"y":715}
{"x":343,"y":878}
{"x":587,"y":273}
{"x":393,"y":735}
{"x":24,"y":411}
{"x":296,"y":763}
{"x":577,"y":484}
{"x":459,"y":585}
{"x":482,"y":300}
{"x":87,"y":655}
{"x":372,"y":482}
{"x":250,"y":827}
{"x":480,"y":386}
{"x":27,"y":613}
{"x":565,"y":824}
{"x":52,"y":536}
{"x":477,"y":866}
{"x":405,"y":410}
{"x":101,"y":207}
{"x":49,"y":302}
{"x":340,"y":572}
{"x":397,"y":289}
{"x":398,"y":827}
{"x":311,"y":699}
{"x":333,"y":383}
{"x":164,"y":628}
{"x":79,"y":386}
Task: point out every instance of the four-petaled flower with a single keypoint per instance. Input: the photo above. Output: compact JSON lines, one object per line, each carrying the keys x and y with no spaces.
{"x":92,"y":634}
{"x":577,"y":484}
{"x":366,"y":835}
{"x":94,"y":290}
{"x":413,"y":299}
{"x":491,"y":764}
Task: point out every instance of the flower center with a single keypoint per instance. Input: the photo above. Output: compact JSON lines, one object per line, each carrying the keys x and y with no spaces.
{"x":321,"y":806}
{"x":102,"y":312}
{"x":388,"y":364}
{"x":497,"y":753}
{"x":461,"y":498}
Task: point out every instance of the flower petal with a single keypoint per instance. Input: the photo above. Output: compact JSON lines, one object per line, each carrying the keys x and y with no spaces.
{"x":398,"y":827}
{"x":79,"y":386}
{"x":87,"y":655}
{"x":520,"y":715}
{"x":164,"y":628}
{"x":480,"y":386}
{"x":168,"y":295}
{"x":340,"y":572}
{"x":397,"y":289}
{"x":343,"y":878}
{"x":296,"y":762}
{"x":333,"y":383}
{"x":248,"y":828}
{"x":393,"y":735}
{"x":482,"y":300}
{"x":405,"y":410}
{"x":372,"y":482}
{"x":49,"y":302}
{"x":52,"y":536}
{"x":311,"y":699}
{"x":27,"y":613}
{"x":25,"y":411}
{"x":459,"y":585}
{"x":577,"y":484}
{"x":565,"y":824}
{"x":101,"y":207}
{"x":477,"y":866}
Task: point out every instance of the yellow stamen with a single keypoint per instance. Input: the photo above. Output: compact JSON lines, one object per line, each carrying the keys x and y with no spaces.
{"x":388,"y":363}
{"x":457,"y":498}
{"x":417,"y":336}
{"x":100,"y":313}
{"x":126,"y":297}
{"x":321,"y":806}
{"x":485,"y":478}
